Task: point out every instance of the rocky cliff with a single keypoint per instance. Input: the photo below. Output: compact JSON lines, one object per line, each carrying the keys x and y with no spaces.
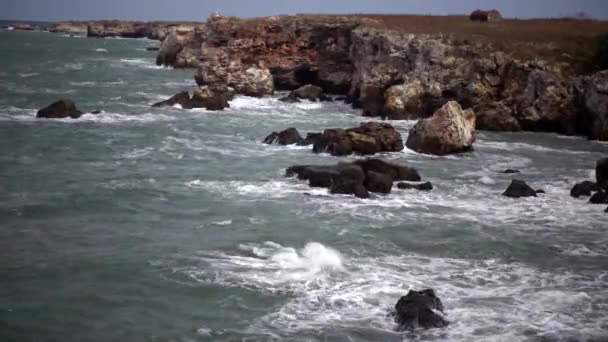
{"x":156,"y":30}
{"x":394,"y":74}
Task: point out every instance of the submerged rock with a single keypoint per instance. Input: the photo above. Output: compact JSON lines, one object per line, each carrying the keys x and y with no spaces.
{"x":289,"y":136}
{"x":450,"y":130}
{"x":357,"y":178}
{"x":418,"y":310}
{"x":583,"y":189}
{"x":64,"y":108}
{"x":519,"y":188}
{"x":510,"y":171}
{"x":422,"y":187}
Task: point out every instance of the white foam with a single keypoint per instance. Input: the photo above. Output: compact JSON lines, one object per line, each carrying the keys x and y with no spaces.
{"x":101,"y":50}
{"x":28,"y":75}
{"x":84,"y":84}
{"x":222,"y":223}
{"x":484,"y":299}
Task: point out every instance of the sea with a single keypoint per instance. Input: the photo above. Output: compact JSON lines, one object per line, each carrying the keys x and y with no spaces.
{"x":164,"y":224}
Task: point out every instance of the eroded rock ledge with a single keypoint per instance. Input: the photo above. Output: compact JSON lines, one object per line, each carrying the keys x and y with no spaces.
{"x":394,"y":74}
{"x":156,"y":30}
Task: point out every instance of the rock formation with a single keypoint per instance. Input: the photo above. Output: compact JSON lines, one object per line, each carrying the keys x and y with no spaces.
{"x":367,"y":139}
{"x":156,"y":30}
{"x":418,"y":309}
{"x":210,"y":98}
{"x":358,"y":178}
{"x":519,"y":188}
{"x":601,"y":173}
{"x":583,"y":189}
{"x":421,"y":186}
{"x":450,"y":130}
{"x":64,"y":108}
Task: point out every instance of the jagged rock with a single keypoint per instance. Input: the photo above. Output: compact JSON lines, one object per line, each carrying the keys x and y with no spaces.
{"x":178,"y":48}
{"x":357,"y":178}
{"x":369,"y":138}
{"x":600,"y":197}
{"x":64,"y":108}
{"x":601,"y":173}
{"x":422,"y":186}
{"x":417,"y":309}
{"x":583,"y":189}
{"x":289,"y":136}
{"x":182,"y":98}
{"x":411,"y":100}
{"x":519,"y":188}
{"x":211,"y":98}
{"x":250,"y":81}
{"x":450,"y":130}
{"x":495,"y":116}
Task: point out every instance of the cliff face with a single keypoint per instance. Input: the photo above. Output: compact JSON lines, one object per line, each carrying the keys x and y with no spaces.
{"x":394,"y":74}
{"x":116,"y":28}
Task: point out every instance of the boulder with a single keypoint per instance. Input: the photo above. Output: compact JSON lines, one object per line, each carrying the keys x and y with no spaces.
{"x":418,"y":309}
{"x":369,"y":138}
{"x":64,"y":108}
{"x":307,"y":92}
{"x":450,"y":130}
{"x":601,"y":173}
{"x":519,"y":188}
{"x":378,"y":182}
{"x":404,"y":101}
{"x":583,"y":189}
{"x":358,"y":178}
{"x":600,"y":197}
{"x":421,"y":186}
{"x":396,"y":171}
{"x":289,"y":136}
{"x":211,"y":98}
{"x":311,"y":139}
{"x":182,"y":99}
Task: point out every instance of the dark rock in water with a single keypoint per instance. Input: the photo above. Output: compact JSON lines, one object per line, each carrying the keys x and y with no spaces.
{"x":289,"y":99}
{"x":311,"y":139}
{"x":369,"y":138}
{"x":182,"y":98}
{"x":422,"y":187}
{"x":601,"y":173}
{"x":600,"y":197}
{"x":325,"y":98}
{"x":357,"y":178}
{"x":606,"y":210}
{"x":289,"y":136}
{"x":379,"y":182}
{"x":540,"y":191}
{"x":95,"y":112}
{"x":64,"y":108}
{"x":519,"y":188}
{"x":153,"y":48}
{"x":211,"y":98}
{"x":510,"y":171}
{"x":583,"y":189}
{"x":417,"y":309}
{"x":396,"y":171}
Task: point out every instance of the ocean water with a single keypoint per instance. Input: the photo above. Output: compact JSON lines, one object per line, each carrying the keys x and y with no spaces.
{"x":143,"y":224}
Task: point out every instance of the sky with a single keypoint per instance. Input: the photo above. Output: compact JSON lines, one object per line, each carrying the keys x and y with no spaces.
{"x":199,"y":10}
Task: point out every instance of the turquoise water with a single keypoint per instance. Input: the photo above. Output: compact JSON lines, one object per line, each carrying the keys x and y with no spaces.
{"x":143,"y":224}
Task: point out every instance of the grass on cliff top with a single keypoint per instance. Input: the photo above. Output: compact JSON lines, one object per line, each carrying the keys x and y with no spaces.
{"x":573,"y":41}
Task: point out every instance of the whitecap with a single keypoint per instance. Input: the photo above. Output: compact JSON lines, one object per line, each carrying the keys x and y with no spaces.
{"x":27,"y":75}
{"x":83,"y":84}
{"x":101,"y":50}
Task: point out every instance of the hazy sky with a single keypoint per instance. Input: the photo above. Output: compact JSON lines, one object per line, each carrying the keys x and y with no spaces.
{"x":200,"y":9}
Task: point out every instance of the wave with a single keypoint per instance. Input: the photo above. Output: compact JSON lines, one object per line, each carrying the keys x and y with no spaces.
{"x":101,"y":50}
{"x":28,"y":75}
{"x":485,"y":299}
